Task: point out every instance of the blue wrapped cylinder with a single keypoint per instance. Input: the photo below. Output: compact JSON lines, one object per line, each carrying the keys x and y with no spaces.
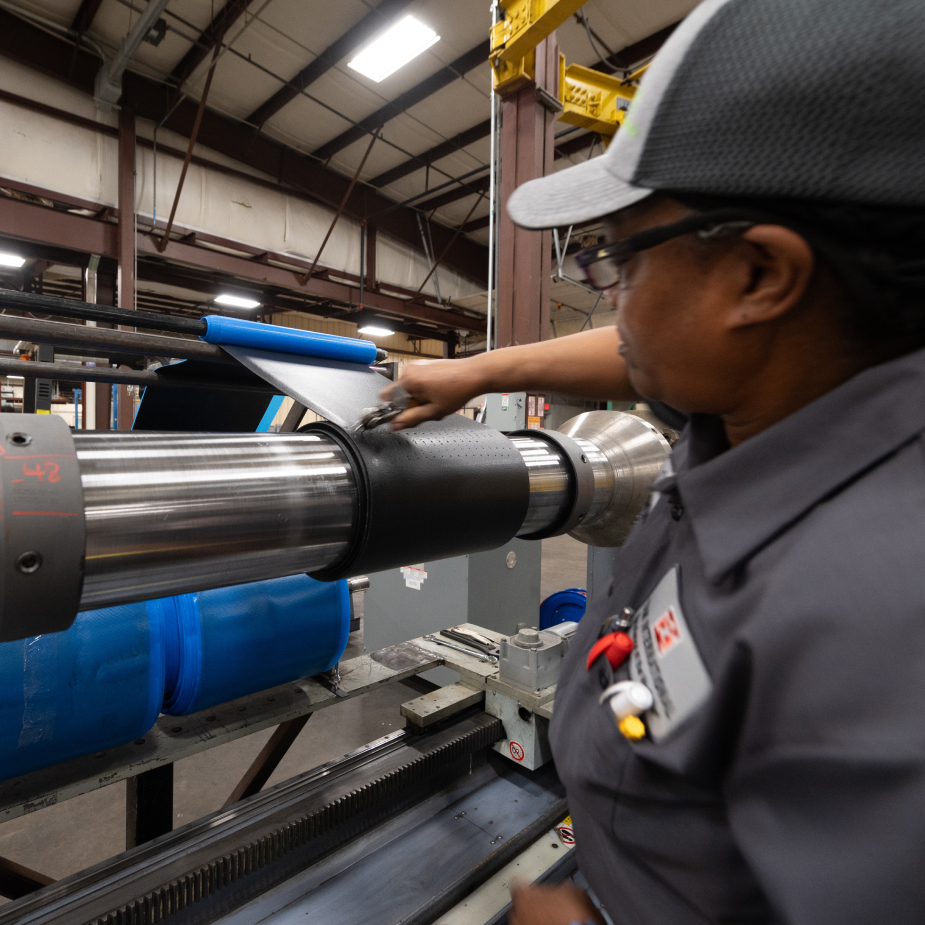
{"x":236,"y":332}
{"x":96,"y":685}
{"x":231,"y":642}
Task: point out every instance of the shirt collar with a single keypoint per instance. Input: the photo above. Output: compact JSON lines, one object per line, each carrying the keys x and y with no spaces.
{"x":741,"y":498}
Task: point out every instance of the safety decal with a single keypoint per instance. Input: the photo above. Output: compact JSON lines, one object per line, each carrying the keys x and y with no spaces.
{"x":665,"y":658}
{"x":517,"y":751}
{"x":414,"y":576}
{"x":565,"y":831}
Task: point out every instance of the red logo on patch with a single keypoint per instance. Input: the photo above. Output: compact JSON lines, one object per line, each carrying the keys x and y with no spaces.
{"x":666,"y":631}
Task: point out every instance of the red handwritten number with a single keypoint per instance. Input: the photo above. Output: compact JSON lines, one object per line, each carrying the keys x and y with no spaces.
{"x":49,"y":468}
{"x":38,"y":471}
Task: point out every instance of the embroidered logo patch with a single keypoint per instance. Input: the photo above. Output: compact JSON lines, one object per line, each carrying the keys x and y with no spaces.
{"x":666,"y":631}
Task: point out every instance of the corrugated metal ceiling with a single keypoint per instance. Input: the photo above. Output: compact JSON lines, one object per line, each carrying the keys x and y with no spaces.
{"x":275,"y":39}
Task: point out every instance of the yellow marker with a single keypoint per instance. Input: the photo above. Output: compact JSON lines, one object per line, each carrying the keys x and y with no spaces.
{"x":632,"y":727}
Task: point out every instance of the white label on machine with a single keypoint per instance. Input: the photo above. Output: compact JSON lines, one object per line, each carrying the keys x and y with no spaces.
{"x":414,"y":576}
{"x":505,"y":401}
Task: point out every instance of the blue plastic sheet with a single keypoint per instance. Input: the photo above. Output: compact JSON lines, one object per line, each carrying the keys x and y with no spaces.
{"x":231,"y":642}
{"x":236,"y":332}
{"x":93,"y":686}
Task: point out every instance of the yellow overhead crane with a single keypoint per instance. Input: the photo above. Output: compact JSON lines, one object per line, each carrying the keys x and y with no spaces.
{"x":589,"y":99}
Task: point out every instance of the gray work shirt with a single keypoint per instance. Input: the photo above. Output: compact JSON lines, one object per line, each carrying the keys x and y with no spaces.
{"x":780,"y":596}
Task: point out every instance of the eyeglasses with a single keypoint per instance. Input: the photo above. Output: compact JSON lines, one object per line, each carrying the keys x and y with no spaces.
{"x":602,"y":266}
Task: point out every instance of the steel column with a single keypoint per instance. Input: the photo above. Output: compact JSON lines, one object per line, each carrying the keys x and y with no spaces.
{"x":106,"y":286}
{"x":149,"y":805}
{"x":525,"y":257}
{"x":126,"y":276}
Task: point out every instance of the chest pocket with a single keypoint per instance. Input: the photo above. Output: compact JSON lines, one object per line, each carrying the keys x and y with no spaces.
{"x":666,"y":660}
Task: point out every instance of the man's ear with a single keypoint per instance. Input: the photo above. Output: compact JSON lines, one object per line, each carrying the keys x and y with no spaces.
{"x":778,"y":267}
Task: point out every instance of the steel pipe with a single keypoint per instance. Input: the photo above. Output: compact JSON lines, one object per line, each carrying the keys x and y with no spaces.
{"x":74,"y":372}
{"x":171,"y":513}
{"x":106,"y":340}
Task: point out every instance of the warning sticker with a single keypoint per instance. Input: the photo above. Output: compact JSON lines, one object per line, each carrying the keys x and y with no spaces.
{"x":414,"y":576}
{"x":565,"y":831}
{"x":517,"y":751}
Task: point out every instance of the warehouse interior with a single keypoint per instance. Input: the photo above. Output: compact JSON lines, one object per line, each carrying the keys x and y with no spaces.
{"x":325,"y":183}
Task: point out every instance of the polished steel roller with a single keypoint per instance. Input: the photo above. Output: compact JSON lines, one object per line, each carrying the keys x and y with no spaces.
{"x":168,"y":513}
{"x":157,"y":514}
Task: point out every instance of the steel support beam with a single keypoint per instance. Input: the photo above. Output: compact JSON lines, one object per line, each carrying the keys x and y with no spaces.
{"x":471,"y":188}
{"x":126,"y":278}
{"x":477,"y":224}
{"x":25,"y":42}
{"x":85,"y":16}
{"x":226,"y":17}
{"x":149,"y":805}
{"x":525,"y":257}
{"x":269,"y":758}
{"x":126,"y":193}
{"x":16,"y":880}
{"x":444,"y":149}
{"x":350,"y":41}
{"x":445,"y":76}
{"x":189,"y":148}
{"x":63,"y":230}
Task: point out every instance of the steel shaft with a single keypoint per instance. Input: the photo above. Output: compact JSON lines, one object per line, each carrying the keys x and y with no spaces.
{"x":170,"y":513}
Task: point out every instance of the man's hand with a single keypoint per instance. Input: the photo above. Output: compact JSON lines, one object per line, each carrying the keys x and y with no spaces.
{"x":552,"y":905}
{"x":437,"y":387}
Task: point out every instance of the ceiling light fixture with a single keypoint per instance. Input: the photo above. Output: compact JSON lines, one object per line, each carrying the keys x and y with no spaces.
{"x":15,"y":377}
{"x":375,"y":331}
{"x":393,"y":49}
{"x":236,"y":301}
{"x":11,"y":260}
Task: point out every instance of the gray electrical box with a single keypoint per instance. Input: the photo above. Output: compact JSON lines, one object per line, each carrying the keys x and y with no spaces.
{"x":496,"y":589}
{"x":507,"y":411}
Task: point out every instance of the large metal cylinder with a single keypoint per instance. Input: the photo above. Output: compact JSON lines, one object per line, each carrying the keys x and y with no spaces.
{"x":168,"y":513}
{"x":147,"y":515}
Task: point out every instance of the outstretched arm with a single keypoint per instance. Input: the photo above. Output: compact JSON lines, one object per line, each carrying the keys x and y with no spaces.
{"x":586,"y":365}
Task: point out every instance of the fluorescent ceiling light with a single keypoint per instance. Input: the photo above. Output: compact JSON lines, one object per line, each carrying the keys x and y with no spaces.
{"x":11,"y":260}
{"x":375,"y":331}
{"x":236,"y":301}
{"x":394,"y":48}
{"x":15,"y":377}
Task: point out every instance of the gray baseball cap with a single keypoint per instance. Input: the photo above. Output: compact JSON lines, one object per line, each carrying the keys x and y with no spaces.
{"x":803,"y":99}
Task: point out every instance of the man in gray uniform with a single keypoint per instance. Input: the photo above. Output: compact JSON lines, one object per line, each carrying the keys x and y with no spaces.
{"x":765,"y":205}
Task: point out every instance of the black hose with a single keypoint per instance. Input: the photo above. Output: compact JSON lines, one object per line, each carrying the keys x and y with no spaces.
{"x":108,"y":314}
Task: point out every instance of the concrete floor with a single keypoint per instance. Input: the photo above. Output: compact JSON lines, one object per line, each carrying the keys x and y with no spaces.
{"x":64,"y":839}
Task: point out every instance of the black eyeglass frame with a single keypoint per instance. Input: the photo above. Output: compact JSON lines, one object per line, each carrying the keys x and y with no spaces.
{"x":710,"y":224}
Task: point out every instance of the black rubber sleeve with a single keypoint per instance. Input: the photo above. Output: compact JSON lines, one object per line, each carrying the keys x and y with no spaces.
{"x":441,"y":489}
